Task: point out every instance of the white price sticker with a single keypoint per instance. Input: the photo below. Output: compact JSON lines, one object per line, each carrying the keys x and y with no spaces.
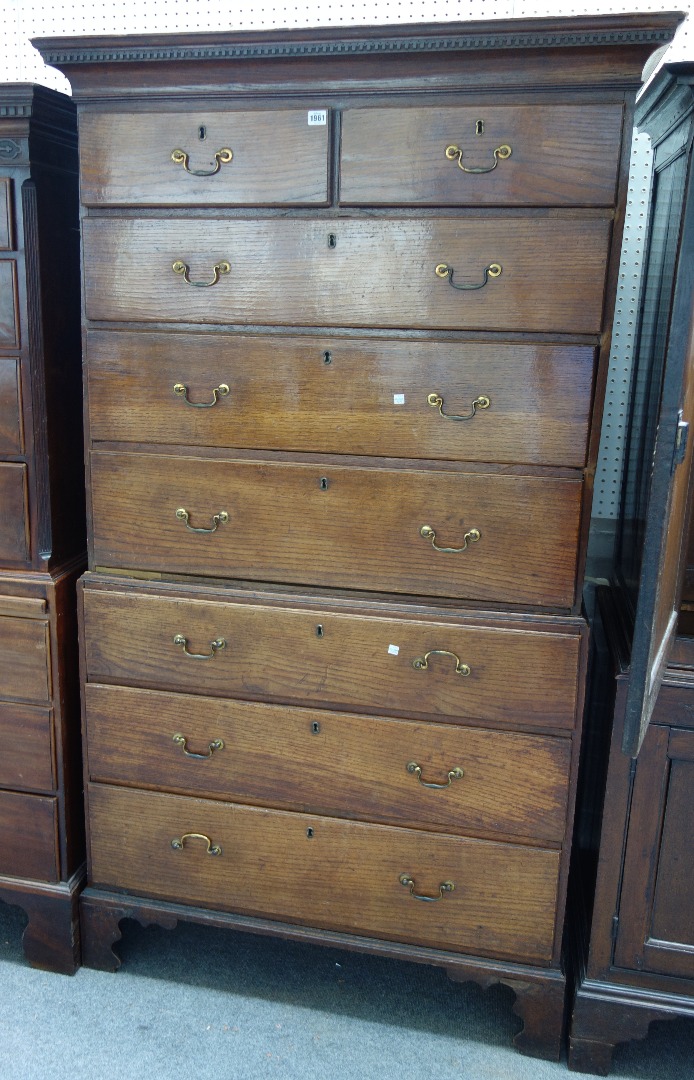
{"x":393,"y":650}
{"x":317,"y":116}
{"x":398,"y":399}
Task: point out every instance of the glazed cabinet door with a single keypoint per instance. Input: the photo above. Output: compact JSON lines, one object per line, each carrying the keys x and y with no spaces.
{"x":656,"y":919}
{"x":660,"y":456}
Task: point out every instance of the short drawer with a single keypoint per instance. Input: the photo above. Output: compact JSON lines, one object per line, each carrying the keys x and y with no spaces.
{"x":460,"y":779}
{"x":6,"y":214}
{"x":26,"y":747}
{"x":367,"y":528}
{"x":339,"y":875}
{"x":346,"y":272}
{"x":9,"y":308}
{"x":203,"y":158}
{"x":323,"y":656}
{"x":10,"y":408}
{"x":29,"y":830}
{"x":514,"y":155}
{"x":498,"y":402}
{"x":14,"y":531}
{"x":25,"y":673}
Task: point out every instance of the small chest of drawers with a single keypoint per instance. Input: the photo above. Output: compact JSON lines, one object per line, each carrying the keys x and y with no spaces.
{"x":347,"y":308}
{"x":42,"y":533}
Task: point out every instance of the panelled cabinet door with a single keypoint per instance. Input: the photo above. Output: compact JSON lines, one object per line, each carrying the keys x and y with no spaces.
{"x":667,"y":486}
{"x":656,"y":922}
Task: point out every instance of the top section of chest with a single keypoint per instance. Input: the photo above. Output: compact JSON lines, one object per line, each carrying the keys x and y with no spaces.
{"x":523,"y":114}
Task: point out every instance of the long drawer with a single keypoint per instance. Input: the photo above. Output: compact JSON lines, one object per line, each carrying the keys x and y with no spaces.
{"x":351,"y":272}
{"x":343,"y":396}
{"x":10,"y":408}
{"x":438,"y":533}
{"x":29,"y":830}
{"x":244,"y":157}
{"x":551,"y":155}
{"x":461,"y":778}
{"x":25,"y":670}
{"x":325,"y":872}
{"x":320,"y":655}
{"x":14,"y":526}
{"x":26,"y":747}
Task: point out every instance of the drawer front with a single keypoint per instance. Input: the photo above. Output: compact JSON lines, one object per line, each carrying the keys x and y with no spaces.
{"x":339,"y":875}
{"x":342,"y":526}
{"x":6,"y":223}
{"x":378,"y":273}
{"x":26,"y":750}
{"x":14,"y":532}
{"x":359,"y":396}
{"x":560,"y":155}
{"x":25,"y":660}
{"x":10,"y":408}
{"x":331,"y":763}
{"x":329,"y":659}
{"x":9,"y":310}
{"x":29,"y":830}
{"x":25,"y":607}
{"x":276,"y":158}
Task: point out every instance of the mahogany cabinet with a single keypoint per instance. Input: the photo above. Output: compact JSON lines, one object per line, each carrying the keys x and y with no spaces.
{"x":640,"y":964}
{"x":347,"y":306}
{"x":42,"y":520}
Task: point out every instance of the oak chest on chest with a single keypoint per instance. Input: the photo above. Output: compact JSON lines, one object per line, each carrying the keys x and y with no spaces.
{"x":347,"y":307}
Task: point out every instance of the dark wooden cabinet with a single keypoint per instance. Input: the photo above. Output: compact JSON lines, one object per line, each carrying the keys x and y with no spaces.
{"x":42,"y":520}
{"x":640,"y":965}
{"x":657,"y":910}
{"x":347,"y":322}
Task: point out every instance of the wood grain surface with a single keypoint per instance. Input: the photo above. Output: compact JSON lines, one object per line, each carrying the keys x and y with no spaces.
{"x":673,"y":903}
{"x":327,"y":872}
{"x":278,"y":158}
{"x":379,"y":272}
{"x":561,"y":155}
{"x":655,"y":932}
{"x":340,"y":525}
{"x":10,"y":409}
{"x":342,"y":396}
{"x":9,"y":305}
{"x":14,"y":523}
{"x":25,"y":672}
{"x":358,"y":663}
{"x":26,"y":747}
{"x":330,"y":763}
{"x":29,"y":830}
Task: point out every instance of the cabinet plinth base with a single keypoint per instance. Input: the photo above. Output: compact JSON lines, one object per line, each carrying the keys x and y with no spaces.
{"x":540,"y":992}
{"x":606,"y":1014}
{"x":51,"y":940}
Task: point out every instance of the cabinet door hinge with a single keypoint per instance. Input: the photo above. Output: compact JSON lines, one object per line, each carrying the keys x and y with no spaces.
{"x":615,"y":929}
{"x":681,"y":437}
